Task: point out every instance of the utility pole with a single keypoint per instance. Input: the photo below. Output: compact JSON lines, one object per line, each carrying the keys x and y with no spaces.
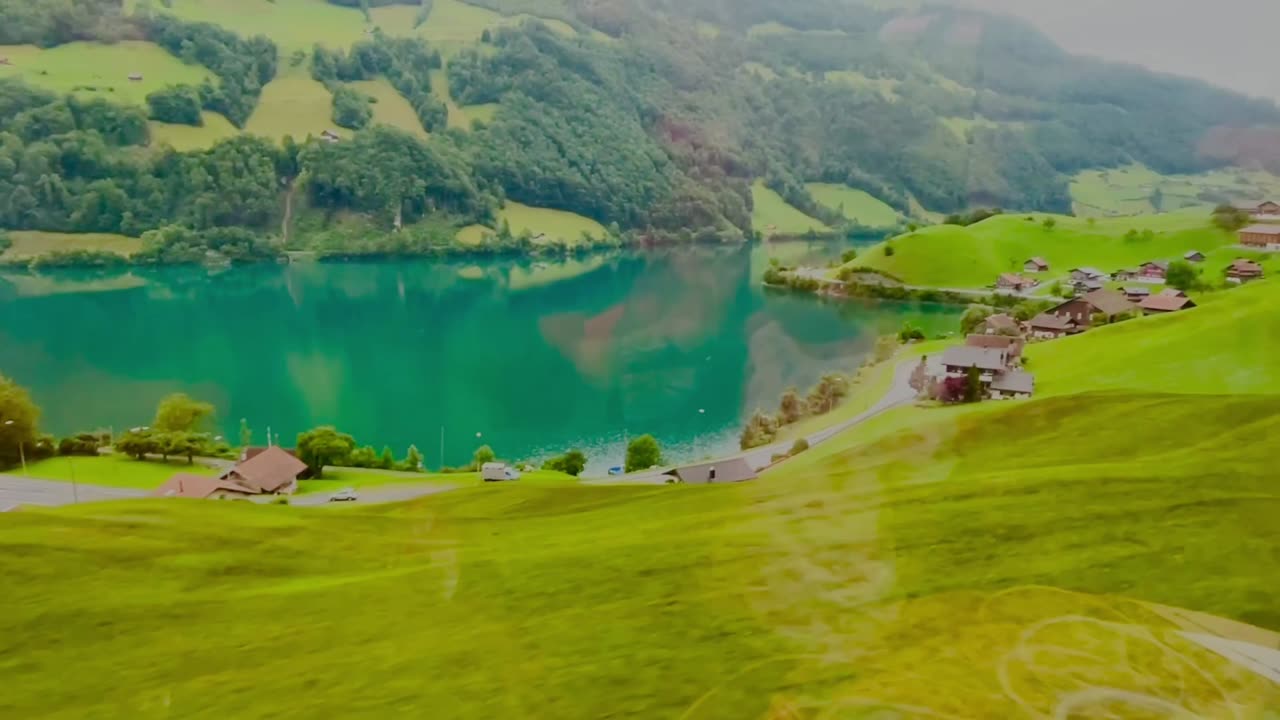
{"x":441,"y":447}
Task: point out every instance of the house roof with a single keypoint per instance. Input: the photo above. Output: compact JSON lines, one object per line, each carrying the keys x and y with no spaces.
{"x":1142,"y":290}
{"x":1109,"y":302}
{"x":1089,"y":271}
{"x":1261,"y":230}
{"x":1192,"y":254}
{"x":1015,"y":381}
{"x":1038,"y":262}
{"x":1052,"y":322}
{"x":1171,"y":292}
{"x":1000,"y":321}
{"x":966,"y":356}
{"x":1162,"y":264}
{"x":994,"y":342}
{"x":1247,"y":267}
{"x":198,"y":486}
{"x":1013,"y":279}
{"x":269,"y":470}
{"x":731,"y":470}
{"x":1166,"y":303}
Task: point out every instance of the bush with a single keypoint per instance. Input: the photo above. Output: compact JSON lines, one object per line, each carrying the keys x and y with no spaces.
{"x":888,"y":250}
{"x":849,"y":256}
{"x":177,"y":104}
{"x":86,"y":444}
{"x":280,"y":500}
{"x":351,"y":108}
{"x":910,"y":332}
{"x":799,"y":446}
{"x":643,"y":453}
{"x":570,"y":463}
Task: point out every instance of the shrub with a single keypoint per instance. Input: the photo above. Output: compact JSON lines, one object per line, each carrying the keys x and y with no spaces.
{"x":86,"y":444}
{"x":643,"y":453}
{"x":799,"y":446}
{"x":280,"y":500}
{"x":570,"y":463}
{"x":888,"y":250}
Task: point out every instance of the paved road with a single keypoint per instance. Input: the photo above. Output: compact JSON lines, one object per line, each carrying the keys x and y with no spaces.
{"x":16,"y":491}
{"x":900,"y":393}
{"x":368,"y":496}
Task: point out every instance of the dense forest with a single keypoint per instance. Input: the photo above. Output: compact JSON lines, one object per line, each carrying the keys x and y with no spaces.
{"x":656,"y":125}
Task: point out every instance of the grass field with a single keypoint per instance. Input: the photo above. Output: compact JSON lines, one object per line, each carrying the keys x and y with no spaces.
{"x":114,"y":471}
{"x":857,"y":205}
{"x":98,"y":70}
{"x":293,"y":104}
{"x":30,"y":243}
{"x":391,"y":109}
{"x":972,"y":561}
{"x":459,"y":117}
{"x":292,"y":24}
{"x":772,"y":215}
{"x":554,"y":224}
{"x":188,"y":137}
{"x":1131,"y":190}
{"x":972,"y":257}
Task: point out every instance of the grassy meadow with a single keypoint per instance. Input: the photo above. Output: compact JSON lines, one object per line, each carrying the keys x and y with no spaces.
{"x":188,"y":137}
{"x":1135,"y":189}
{"x":857,"y":205}
{"x":99,"y":70}
{"x":772,"y":215}
{"x":974,"y":256}
{"x":293,"y":104}
{"x":30,"y":243}
{"x":291,"y":24}
{"x":114,"y":471}
{"x":391,"y":108}
{"x":554,"y":224}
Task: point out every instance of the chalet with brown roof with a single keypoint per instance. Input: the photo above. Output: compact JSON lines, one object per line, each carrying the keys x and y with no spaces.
{"x":1000,"y":324}
{"x":1166,"y":303}
{"x":202,"y":487}
{"x":1013,"y":385}
{"x":1264,"y":209}
{"x":1087,"y":273}
{"x":1082,"y":309}
{"x":1153,"y":271}
{"x":1136,"y":293}
{"x":1046,"y":326}
{"x":273,"y":470}
{"x":1012,"y":346}
{"x":959,"y":359}
{"x":1013,"y":281}
{"x":1242,"y":271}
{"x":1193,"y":256}
{"x":1261,"y":236}
{"x":1035,"y":265}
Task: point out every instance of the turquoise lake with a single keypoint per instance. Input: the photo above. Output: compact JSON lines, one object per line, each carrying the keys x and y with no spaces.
{"x":529,"y":357}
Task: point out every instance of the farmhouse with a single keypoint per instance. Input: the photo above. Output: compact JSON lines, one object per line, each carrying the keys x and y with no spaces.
{"x":1261,"y":236}
{"x":1035,"y":265}
{"x":1265,"y":210}
{"x":959,"y":359}
{"x":1014,"y":384}
{"x":1000,"y":324}
{"x":1153,"y":271}
{"x":1012,"y":346}
{"x":1011,"y":281}
{"x":1046,"y":326}
{"x":1136,"y":293}
{"x":202,"y":487}
{"x":330,"y":136}
{"x":1082,"y":309}
{"x":1193,"y":256}
{"x":1166,"y":302}
{"x":1087,"y":273}
{"x":1124,"y":274}
{"x":721,"y":471}
{"x":1242,"y":271}
{"x":273,"y":470}
{"x":135,"y":77}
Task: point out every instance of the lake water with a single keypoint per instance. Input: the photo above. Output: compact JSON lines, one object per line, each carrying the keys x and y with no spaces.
{"x":531,"y":358}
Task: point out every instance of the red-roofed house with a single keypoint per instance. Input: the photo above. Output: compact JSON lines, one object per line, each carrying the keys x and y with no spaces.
{"x":1035,"y":265}
{"x":1165,"y":303}
{"x":1242,"y":271}
{"x":1012,"y":281}
{"x":202,"y":487}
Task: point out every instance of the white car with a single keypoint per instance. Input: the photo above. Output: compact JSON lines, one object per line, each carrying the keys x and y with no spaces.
{"x":346,"y":495}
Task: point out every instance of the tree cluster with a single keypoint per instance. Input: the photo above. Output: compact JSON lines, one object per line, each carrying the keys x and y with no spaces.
{"x":572,"y":463}
{"x":406,"y":63}
{"x":762,"y":428}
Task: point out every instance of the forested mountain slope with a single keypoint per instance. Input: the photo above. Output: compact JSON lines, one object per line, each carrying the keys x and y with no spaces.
{"x":652,"y":117}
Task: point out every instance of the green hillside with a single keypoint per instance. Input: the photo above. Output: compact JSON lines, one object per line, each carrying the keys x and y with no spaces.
{"x":773,"y":216}
{"x":972,"y":561}
{"x":98,"y":70}
{"x":1136,"y":189}
{"x":857,"y":205}
{"x":974,"y":256}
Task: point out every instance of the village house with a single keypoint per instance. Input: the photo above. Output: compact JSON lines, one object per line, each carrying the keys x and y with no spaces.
{"x":135,"y":77}
{"x":1082,"y":309}
{"x":1242,"y":271}
{"x":1166,"y":302}
{"x":1153,"y":271}
{"x":1000,"y":324}
{"x":1013,"y":385}
{"x":1035,"y":265}
{"x":330,"y":136}
{"x":202,"y":487}
{"x":1087,"y":286}
{"x":1017,"y":283}
{"x":1011,"y":345}
{"x":721,"y":471}
{"x":958,"y":360}
{"x":1266,"y":210}
{"x":1136,"y":293}
{"x":1194,"y":256}
{"x":1261,"y":236}
{"x":1124,"y":274}
{"x":271,"y":471}
{"x":1087,"y":273}
{"x":1047,"y":327}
